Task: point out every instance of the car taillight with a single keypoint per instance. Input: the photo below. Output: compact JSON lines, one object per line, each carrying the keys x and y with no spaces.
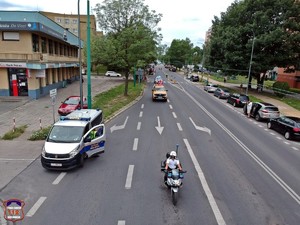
{"x":296,"y":129}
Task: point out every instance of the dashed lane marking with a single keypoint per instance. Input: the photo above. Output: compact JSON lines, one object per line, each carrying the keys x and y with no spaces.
{"x":129,"y":177}
{"x":59,"y":178}
{"x":36,"y":206}
{"x":135,"y":144}
{"x":138,"y":126}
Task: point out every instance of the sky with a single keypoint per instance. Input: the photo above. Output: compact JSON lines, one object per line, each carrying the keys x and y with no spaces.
{"x":181,"y":18}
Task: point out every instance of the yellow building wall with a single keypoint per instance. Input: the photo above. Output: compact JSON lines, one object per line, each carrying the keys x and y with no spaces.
{"x":4,"y":84}
{"x":24,"y":45}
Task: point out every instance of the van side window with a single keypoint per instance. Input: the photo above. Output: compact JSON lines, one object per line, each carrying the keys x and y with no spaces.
{"x":97,"y":120}
{"x":86,"y":129}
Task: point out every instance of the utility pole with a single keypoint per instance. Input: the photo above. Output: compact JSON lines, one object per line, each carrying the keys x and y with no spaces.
{"x":88,"y":43}
{"x":79,"y":56}
{"x":249,"y":71}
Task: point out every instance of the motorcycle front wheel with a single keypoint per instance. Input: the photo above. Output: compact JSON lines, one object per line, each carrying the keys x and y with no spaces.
{"x":174,"y":197}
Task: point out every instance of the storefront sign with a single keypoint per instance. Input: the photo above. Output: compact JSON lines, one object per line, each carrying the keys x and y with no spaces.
{"x":38,"y":73}
{"x":12,"y":65}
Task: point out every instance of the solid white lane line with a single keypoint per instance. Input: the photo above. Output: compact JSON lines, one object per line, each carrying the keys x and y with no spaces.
{"x":295,"y":148}
{"x":59,"y":178}
{"x":171,"y":107}
{"x":135,"y":144}
{"x":179,"y":127}
{"x":129,"y":177}
{"x":142,"y":106}
{"x":141,"y":114}
{"x":36,"y":206}
{"x":121,"y":222}
{"x":174,"y":115}
{"x":138,"y":126}
{"x":210,"y":197}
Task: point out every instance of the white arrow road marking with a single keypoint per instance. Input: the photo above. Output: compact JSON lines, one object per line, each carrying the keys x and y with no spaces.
{"x":129,"y":177}
{"x":159,"y":128}
{"x":205,"y":129}
{"x":115,"y":127}
{"x":36,"y":206}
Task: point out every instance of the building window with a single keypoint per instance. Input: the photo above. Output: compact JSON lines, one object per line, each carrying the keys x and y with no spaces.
{"x":74,"y":21}
{"x":55,"y":48}
{"x":58,"y":20}
{"x":74,"y":30}
{"x":67,"y":21}
{"x":50,"y":47}
{"x":44,"y":45}
{"x":61,"y":49}
{"x":35,"y":43}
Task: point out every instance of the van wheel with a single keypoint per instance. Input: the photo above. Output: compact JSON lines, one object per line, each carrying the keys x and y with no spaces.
{"x":81,"y":160}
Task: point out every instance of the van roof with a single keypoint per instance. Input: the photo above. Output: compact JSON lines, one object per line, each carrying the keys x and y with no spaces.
{"x":79,"y":117}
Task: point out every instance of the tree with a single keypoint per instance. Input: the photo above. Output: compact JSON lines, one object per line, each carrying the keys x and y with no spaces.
{"x":180,"y":52}
{"x":131,"y":34}
{"x":272,"y":25}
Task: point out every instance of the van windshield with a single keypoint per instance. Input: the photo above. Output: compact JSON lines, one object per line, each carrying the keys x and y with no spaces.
{"x":65,"y":134}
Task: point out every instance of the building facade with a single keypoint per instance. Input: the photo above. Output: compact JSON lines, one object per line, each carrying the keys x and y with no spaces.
{"x":36,"y":54}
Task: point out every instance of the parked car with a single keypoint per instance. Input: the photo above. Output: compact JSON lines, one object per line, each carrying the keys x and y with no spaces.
{"x":112,"y":74}
{"x":289,"y":126}
{"x":221,"y":93}
{"x":71,"y":104}
{"x":237,"y":100}
{"x":194,"y":78}
{"x":263,"y":111}
{"x":210,"y":88}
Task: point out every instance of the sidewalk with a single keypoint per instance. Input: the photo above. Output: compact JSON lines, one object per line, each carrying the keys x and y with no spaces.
{"x":16,"y":155}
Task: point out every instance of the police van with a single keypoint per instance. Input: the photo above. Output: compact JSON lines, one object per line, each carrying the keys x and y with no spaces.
{"x":72,"y":139}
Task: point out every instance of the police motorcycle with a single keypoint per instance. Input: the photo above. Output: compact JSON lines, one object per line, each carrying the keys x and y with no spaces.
{"x":173,"y":178}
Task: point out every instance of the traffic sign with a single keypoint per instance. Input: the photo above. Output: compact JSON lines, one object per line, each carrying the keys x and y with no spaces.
{"x":53,"y":92}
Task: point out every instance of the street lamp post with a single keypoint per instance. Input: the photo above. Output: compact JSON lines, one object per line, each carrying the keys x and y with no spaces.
{"x":249,"y":71}
{"x":79,"y":56}
{"x":88,"y":43}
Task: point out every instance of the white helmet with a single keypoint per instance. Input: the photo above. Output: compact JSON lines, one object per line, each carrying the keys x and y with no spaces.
{"x":173,"y":153}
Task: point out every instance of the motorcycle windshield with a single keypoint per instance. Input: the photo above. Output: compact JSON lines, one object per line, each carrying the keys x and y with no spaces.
{"x":175,"y":174}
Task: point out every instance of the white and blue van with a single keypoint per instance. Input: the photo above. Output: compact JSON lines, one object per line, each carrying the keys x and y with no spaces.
{"x":73,"y":138}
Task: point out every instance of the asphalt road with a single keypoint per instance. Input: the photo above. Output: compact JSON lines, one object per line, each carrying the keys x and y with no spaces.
{"x":239,"y":172}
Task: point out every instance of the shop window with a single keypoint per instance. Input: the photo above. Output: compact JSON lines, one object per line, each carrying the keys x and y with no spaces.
{"x":35,"y":43}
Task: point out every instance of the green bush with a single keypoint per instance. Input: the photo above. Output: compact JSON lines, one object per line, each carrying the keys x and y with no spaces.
{"x":14,"y":133}
{"x":281,"y":88}
{"x":40,"y":134}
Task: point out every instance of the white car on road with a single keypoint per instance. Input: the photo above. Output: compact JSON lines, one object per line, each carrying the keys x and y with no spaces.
{"x":112,"y":74}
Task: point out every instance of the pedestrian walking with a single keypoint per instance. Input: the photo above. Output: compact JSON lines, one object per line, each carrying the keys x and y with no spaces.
{"x":249,"y":107}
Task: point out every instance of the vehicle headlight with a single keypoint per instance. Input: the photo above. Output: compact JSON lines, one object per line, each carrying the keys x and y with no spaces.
{"x":74,"y":152}
{"x":43,"y":151}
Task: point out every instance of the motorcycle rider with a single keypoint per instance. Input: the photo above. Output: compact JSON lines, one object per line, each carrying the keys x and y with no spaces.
{"x":172,"y":163}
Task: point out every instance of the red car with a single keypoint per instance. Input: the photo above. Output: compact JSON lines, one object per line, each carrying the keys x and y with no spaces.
{"x":71,"y":104}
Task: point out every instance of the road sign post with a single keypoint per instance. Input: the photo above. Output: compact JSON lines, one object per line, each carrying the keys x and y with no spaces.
{"x":53,"y":93}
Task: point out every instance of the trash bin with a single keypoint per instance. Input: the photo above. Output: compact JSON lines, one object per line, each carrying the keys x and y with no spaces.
{"x":64,"y":84}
